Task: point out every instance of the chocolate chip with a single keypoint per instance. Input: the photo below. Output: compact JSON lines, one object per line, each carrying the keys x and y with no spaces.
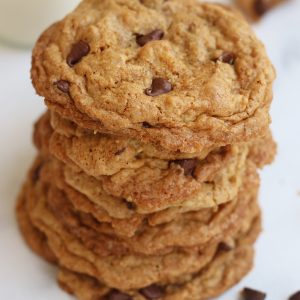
{"x":295,"y":296}
{"x":130,"y":205}
{"x":78,"y":51}
{"x":261,"y":7}
{"x":152,"y":292}
{"x":120,"y":151}
{"x":154,"y":35}
{"x":63,"y":86}
{"x":227,"y":57}
{"x":250,"y":294}
{"x":117,"y":295}
{"x":147,"y":125}
{"x":159,"y":86}
{"x":224,"y":247}
{"x":188,"y":165}
{"x":36,"y":173}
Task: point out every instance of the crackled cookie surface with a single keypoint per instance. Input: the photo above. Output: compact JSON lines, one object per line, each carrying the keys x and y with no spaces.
{"x":180,"y":74}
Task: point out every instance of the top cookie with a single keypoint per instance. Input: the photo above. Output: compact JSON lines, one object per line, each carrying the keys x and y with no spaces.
{"x":181,"y":74}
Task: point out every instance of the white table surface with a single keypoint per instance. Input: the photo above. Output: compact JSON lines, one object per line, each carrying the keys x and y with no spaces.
{"x":23,"y":276}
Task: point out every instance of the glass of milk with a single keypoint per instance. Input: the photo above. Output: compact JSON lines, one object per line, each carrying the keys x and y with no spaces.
{"x":22,"y":21}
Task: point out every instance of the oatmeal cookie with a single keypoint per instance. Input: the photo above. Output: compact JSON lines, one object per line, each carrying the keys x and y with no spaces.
{"x":184,"y":75}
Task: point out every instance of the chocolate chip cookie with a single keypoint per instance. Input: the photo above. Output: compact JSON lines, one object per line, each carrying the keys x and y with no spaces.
{"x":181,"y":74}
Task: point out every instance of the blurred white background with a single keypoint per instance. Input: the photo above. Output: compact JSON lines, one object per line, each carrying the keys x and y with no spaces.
{"x":22,"y":21}
{"x":23,"y":276}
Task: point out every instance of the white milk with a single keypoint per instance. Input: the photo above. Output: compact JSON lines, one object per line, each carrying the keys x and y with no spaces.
{"x":22,"y":21}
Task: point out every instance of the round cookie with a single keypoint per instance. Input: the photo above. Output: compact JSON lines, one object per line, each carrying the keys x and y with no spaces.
{"x":199,"y":228}
{"x":208,"y":284}
{"x":227,"y":268}
{"x":110,"y":148}
{"x":125,"y":147}
{"x":184,"y":75}
{"x":146,"y":183}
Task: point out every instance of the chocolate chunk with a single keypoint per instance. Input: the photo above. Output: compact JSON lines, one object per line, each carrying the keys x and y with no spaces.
{"x":117,"y":295}
{"x":154,"y":35}
{"x":78,"y":51}
{"x":159,"y":86}
{"x":152,"y":292}
{"x":147,"y":125}
{"x":250,"y":294}
{"x":188,"y":165}
{"x":63,"y":86}
{"x":227,"y":57}
{"x":295,"y":296}
{"x":120,"y":151}
{"x":261,"y":7}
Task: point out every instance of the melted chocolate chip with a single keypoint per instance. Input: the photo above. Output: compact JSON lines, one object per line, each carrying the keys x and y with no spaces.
{"x":260,"y":7}
{"x":117,"y":295}
{"x":152,"y":292}
{"x":225,"y":247}
{"x":188,"y":165}
{"x":227,"y":57}
{"x":63,"y":86}
{"x":147,"y":125}
{"x":154,"y":35}
{"x":295,"y":296}
{"x":250,"y":294}
{"x":120,"y":151}
{"x":130,"y":205}
{"x":159,"y":86}
{"x":78,"y":51}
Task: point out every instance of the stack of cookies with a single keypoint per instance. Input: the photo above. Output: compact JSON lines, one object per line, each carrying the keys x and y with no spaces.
{"x":145,"y":185}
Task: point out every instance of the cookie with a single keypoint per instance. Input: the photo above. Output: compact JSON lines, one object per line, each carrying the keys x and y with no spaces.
{"x":147,"y":183}
{"x":209,"y":283}
{"x":111,"y":144}
{"x":88,"y":288}
{"x":73,"y":254}
{"x":262,"y":151}
{"x":35,"y":239}
{"x":227,"y":268}
{"x":255,"y":9}
{"x":197,"y":228}
{"x":184,"y":75}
